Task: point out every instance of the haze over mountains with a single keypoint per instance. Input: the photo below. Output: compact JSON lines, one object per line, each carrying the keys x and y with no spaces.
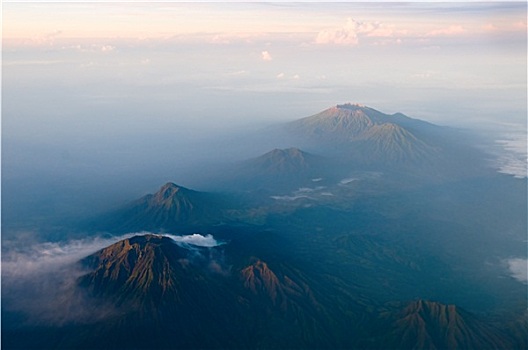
{"x":371,"y":231}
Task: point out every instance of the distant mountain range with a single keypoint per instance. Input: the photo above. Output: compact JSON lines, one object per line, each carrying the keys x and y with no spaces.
{"x":354,"y":140}
{"x":341,"y":241}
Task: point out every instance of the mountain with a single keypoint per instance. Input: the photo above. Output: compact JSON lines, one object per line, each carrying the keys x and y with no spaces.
{"x":349,"y":122}
{"x":158,"y":286}
{"x":172,"y":207}
{"x":149,"y":271}
{"x":424,"y":324}
{"x":369,"y":138}
{"x":283,"y":161}
{"x":285,"y":290}
{"x":279,"y":170}
{"x":163,"y":295}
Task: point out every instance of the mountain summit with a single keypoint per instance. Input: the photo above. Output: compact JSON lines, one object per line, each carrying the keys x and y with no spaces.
{"x":171,"y":207}
{"x":141,"y":269}
{"x":367,"y":136}
{"x":173,"y":197}
{"x":278,"y":170}
{"x":282,"y":161}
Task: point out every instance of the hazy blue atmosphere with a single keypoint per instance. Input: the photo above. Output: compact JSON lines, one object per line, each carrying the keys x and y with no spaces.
{"x":115,"y":111}
{"x":103,"y":103}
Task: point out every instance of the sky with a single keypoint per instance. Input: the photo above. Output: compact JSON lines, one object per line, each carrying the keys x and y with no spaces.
{"x":106,"y":95}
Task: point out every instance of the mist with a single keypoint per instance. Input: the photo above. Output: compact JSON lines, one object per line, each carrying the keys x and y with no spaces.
{"x":40,"y":280}
{"x":104,"y":103}
{"x":91,"y":123}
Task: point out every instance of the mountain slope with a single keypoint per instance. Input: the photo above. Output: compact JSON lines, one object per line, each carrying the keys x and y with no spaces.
{"x":278,"y":170}
{"x":283,"y":161}
{"x":146,"y":271}
{"x":425,"y":324}
{"x":162,"y":287}
{"x":172,"y":207}
{"x":366,"y":134}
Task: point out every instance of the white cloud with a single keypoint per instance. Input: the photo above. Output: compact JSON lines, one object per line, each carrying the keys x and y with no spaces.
{"x":288,"y":198}
{"x":49,"y":256}
{"x":519,"y":269}
{"x":266,"y":56}
{"x":512,"y":157}
{"x":424,"y":75}
{"x":41,"y":279}
{"x":107,"y":48}
{"x":350,"y":33}
{"x":238,"y":73}
{"x":449,"y":31}
{"x":347,"y":181}
{"x":280,"y":76}
{"x":196,"y":239}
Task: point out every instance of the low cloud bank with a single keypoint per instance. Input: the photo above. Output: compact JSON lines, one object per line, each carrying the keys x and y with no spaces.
{"x":36,"y":259}
{"x":518,"y":269}
{"x":511,"y":155}
{"x":40,"y":280}
{"x":28,"y":260}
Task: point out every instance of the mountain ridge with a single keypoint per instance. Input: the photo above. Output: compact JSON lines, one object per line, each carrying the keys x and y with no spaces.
{"x":425,"y":324}
{"x":368,"y":135}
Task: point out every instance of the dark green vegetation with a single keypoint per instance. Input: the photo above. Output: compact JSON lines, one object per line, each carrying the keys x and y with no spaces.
{"x":387,"y":232}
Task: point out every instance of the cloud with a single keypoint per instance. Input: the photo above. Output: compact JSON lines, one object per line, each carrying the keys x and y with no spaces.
{"x":288,"y":198}
{"x":512,"y":157}
{"x":348,"y":180}
{"x":238,"y":73}
{"x":107,"y":48}
{"x":196,"y":239}
{"x":519,"y":269}
{"x":266,"y":56}
{"x":424,"y":75}
{"x":505,"y":27}
{"x":351,"y":32}
{"x":41,"y":279}
{"x":303,"y":192}
{"x":288,"y":77}
{"x":449,"y":31}
{"x":29,"y":260}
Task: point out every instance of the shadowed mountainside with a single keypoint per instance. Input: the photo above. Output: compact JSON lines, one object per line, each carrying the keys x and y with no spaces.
{"x":172,"y":207}
{"x":423,"y":324}
{"x":278,"y":170}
